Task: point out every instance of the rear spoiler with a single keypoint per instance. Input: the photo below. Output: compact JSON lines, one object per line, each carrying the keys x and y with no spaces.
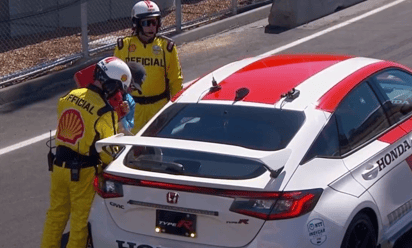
{"x":274,"y":160}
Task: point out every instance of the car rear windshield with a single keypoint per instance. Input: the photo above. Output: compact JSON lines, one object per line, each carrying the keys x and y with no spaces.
{"x":267,"y":129}
{"x":192,"y":163}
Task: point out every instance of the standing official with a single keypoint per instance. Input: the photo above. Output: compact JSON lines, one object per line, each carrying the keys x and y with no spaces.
{"x":84,"y":117}
{"x":159,"y":57}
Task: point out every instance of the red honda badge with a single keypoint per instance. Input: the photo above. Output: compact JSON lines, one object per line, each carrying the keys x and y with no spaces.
{"x":172,"y":197}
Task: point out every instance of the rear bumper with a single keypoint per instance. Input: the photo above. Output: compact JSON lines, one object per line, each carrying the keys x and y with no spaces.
{"x":273,"y":234}
{"x":106,"y":234}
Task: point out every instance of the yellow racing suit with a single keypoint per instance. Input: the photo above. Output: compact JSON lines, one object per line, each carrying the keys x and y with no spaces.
{"x":83,"y":118}
{"x":163,"y":74}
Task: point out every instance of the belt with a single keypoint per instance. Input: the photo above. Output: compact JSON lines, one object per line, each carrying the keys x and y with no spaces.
{"x":65,"y":157}
{"x":68,"y":165}
{"x":150,"y":99}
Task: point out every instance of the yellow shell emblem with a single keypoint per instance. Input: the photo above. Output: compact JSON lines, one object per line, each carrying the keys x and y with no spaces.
{"x":132,"y":48}
{"x":71,"y":126}
{"x":123,"y":78}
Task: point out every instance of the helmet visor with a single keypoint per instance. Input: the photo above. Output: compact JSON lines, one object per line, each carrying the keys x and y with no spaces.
{"x":148,"y":22}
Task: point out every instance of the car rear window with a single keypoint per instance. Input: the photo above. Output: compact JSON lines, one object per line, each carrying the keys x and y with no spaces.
{"x":192,"y":163}
{"x":267,"y":129}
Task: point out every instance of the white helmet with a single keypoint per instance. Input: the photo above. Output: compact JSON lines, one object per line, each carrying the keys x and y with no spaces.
{"x":114,"y":74}
{"x":145,"y":9}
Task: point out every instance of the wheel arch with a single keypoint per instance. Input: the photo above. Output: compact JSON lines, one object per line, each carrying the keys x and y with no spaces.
{"x":373,"y":217}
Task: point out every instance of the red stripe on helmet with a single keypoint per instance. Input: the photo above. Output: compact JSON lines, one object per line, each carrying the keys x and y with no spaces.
{"x":149,"y":4}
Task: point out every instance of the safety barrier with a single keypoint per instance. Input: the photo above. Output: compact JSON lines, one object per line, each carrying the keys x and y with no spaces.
{"x":292,"y":13}
{"x":38,"y":35}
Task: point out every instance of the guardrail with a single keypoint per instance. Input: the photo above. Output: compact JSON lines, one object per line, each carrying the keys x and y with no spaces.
{"x":35,"y":39}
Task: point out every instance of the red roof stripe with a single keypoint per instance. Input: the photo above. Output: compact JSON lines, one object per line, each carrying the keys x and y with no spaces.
{"x":393,"y":135}
{"x":398,"y":132}
{"x":329,"y":101}
{"x":270,"y":77}
{"x":407,"y":125}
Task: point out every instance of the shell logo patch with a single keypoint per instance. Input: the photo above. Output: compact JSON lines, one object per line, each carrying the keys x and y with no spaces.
{"x":132,"y":48}
{"x":123,"y":78}
{"x":71,"y":126}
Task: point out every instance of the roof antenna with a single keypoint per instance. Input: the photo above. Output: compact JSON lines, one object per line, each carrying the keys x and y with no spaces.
{"x":215,"y":86}
{"x":240,"y":94}
{"x":289,"y":96}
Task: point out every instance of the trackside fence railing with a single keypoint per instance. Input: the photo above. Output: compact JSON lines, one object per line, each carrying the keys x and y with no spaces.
{"x":40,"y":35}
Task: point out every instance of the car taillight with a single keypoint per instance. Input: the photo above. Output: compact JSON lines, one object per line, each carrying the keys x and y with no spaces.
{"x":283,"y":205}
{"x":263,"y":205}
{"x":108,"y":186}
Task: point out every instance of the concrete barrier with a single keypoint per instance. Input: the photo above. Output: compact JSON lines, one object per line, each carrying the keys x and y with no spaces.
{"x":292,"y":13}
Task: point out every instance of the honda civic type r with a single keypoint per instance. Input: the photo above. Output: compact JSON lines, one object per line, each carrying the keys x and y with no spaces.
{"x":275,"y":151}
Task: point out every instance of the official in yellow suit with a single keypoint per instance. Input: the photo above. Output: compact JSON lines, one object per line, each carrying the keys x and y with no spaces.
{"x":159,"y":57}
{"x":84,"y":117}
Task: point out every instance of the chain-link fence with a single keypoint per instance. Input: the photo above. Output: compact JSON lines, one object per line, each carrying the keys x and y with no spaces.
{"x":39,"y":35}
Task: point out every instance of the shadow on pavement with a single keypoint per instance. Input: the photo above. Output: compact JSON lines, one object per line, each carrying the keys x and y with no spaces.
{"x":275,"y":29}
{"x":405,"y":241}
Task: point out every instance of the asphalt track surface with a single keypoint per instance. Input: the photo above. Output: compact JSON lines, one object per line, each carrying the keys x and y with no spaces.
{"x":24,"y":179}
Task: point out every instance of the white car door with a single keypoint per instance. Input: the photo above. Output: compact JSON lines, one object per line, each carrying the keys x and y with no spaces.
{"x":377,"y":150}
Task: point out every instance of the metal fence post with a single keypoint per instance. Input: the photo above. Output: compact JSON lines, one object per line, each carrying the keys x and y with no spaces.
{"x":178,"y":16}
{"x":234,"y":7}
{"x":4,"y":20}
{"x":85,"y":37}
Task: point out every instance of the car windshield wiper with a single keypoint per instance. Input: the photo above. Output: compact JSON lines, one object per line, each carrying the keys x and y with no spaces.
{"x":159,"y":166}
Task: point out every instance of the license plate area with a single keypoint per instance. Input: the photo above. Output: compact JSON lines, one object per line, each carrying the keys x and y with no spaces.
{"x":181,"y":224}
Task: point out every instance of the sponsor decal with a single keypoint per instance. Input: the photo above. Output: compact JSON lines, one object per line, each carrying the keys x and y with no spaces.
{"x":116,"y":205}
{"x":147,"y":61}
{"x":317,"y":231}
{"x":71,"y":126}
{"x":172,"y":197}
{"x":400,"y":102}
{"x":241,"y":221}
{"x":123,"y":78}
{"x":102,"y":65}
{"x":186,"y":224}
{"x":393,"y":155}
{"x":132,"y":48}
{"x":126,"y":244}
{"x":156,"y":50}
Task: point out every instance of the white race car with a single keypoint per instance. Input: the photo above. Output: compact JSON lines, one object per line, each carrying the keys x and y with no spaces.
{"x":286,"y":151}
